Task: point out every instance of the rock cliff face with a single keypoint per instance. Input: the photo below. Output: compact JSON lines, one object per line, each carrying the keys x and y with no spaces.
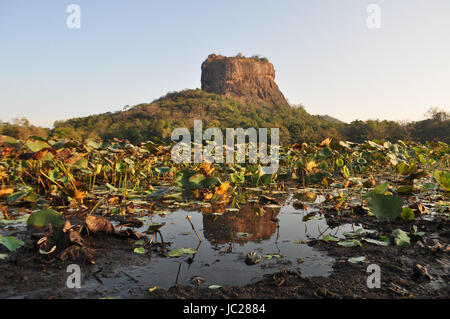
{"x":250,"y":79}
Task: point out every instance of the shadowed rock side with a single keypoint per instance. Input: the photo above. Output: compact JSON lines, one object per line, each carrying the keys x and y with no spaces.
{"x":250,"y":79}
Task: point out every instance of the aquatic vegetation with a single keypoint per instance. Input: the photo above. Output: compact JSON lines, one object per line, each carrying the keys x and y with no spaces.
{"x":106,"y":183}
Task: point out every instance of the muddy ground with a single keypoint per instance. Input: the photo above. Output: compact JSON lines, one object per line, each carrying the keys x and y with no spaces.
{"x":28,"y":274}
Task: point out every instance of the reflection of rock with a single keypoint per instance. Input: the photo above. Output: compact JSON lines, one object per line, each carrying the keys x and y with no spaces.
{"x":223,"y":228}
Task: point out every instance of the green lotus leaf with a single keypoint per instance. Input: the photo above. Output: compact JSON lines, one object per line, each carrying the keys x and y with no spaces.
{"x":443,"y":177}
{"x":11,"y":242}
{"x":385,"y":206}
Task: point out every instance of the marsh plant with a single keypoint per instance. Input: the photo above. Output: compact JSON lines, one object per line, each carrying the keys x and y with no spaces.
{"x":214,"y":150}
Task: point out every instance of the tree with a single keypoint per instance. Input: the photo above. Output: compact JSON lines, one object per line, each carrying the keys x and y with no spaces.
{"x":437,"y":114}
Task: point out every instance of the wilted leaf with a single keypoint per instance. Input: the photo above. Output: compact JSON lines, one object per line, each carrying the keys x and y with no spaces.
{"x":6,"y":192}
{"x":345,"y":144}
{"x":326,"y":142}
{"x":252,"y":258}
{"x":353,"y":233}
{"x":381,"y":242}
{"x":349,"y":243}
{"x":311,"y":165}
{"x":99,"y":224}
{"x":329,"y":238}
{"x":306,"y":196}
{"x":75,"y":253}
{"x":222,"y":189}
{"x":355,"y":260}
{"x":75,"y":238}
{"x":43,"y":252}
{"x":401,"y":238}
{"x":207,"y":168}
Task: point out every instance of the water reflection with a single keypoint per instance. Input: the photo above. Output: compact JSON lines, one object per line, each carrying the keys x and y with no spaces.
{"x":220,"y":257}
{"x":221,"y":229}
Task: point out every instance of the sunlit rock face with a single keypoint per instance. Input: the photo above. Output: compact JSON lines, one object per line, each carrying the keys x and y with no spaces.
{"x":250,"y":79}
{"x":220,"y":229}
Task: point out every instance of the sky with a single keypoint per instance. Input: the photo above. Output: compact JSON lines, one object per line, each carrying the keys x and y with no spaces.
{"x":129,"y":52}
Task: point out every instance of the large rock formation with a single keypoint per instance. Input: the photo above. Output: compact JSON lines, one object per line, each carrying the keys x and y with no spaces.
{"x":250,"y":79}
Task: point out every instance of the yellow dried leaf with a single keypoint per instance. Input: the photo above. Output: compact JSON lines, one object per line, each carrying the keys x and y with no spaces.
{"x":311,"y":165}
{"x":207,"y":168}
{"x":222,"y":189}
{"x":326,"y":142}
{"x":6,"y":192}
{"x":208,"y":196}
{"x":79,"y":195}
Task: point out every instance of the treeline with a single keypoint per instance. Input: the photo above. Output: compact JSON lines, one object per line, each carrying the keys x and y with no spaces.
{"x":22,"y":129}
{"x":179,"y":109}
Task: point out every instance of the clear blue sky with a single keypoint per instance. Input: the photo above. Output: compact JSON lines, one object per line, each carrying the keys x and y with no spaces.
{"x":129,"y":52}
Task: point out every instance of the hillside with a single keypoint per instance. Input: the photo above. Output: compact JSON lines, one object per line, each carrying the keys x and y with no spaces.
{"x":180,"y":109}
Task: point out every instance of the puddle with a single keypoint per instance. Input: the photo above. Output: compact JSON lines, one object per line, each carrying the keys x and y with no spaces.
{"x":220,"y":258}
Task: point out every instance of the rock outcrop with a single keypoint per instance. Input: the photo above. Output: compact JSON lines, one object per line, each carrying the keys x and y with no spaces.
{"x":249,"y":79}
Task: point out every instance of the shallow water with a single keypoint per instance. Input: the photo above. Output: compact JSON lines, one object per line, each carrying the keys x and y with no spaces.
{"x":220,"y":257}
